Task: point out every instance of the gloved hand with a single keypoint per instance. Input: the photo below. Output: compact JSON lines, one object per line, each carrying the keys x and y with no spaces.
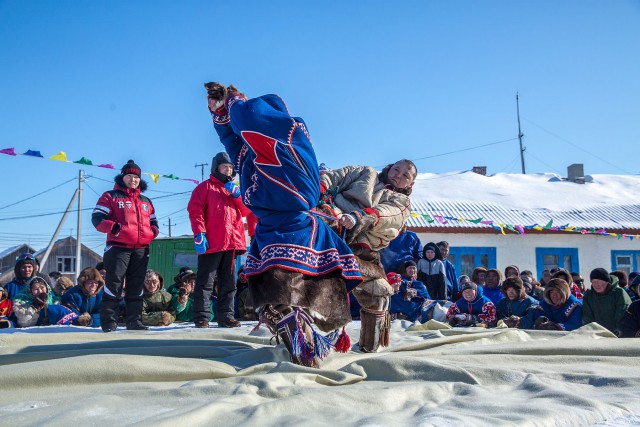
{"x":84,"y":319}
{"x":183,"y":292}
{"x":364,"y":222}
{"x":512,"y":321}
{"x":543,"y":323}
{"x":233,"y":189}
{"x":201,"y":243}
{"x":115,"y":230}
{"x":40,"y":301}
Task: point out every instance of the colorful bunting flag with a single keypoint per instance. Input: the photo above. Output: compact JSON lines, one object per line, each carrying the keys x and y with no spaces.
{"x":8,"y":151}
{"x":61,"y":157}
{"x":84,"y":161}
{"x":33,"y":153}
{"x":154,"y":177}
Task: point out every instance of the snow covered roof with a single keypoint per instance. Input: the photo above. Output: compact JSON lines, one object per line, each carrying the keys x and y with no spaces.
{"x":14,"y":248}
{"x":604,"y":201}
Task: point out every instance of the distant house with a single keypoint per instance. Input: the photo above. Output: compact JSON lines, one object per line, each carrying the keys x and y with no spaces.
{"x":62,"y":258}
{"x":548,"y":221}
{"x":8,"y":259}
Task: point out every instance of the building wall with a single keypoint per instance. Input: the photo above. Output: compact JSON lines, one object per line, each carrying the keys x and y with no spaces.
{"x":593,"y":250}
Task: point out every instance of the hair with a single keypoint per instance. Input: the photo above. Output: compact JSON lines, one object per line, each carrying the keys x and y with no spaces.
{"x":383,"y":176}
{"x":563,"y":274}
{"x":526,"y":273}
{"x":90,"y":273}
{"x":150,"y":273}
{"x":476,"y":271}
{"x":623,"y":279}
{"x":444,"y":244}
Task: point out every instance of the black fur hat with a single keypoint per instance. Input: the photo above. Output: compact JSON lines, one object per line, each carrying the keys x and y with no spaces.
{"x":131,"y":168}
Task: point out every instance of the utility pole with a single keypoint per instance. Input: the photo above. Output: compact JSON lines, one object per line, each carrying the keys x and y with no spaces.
{"x":79,"y":231}
{"x":169,"y":226}
{"x":201,"y":166}
{"x":55,"y":234}
{"x":520,"y":135}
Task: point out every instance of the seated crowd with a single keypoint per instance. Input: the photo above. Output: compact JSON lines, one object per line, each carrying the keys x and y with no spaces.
{"x":35,"y":299}
{"x":559,"y":301}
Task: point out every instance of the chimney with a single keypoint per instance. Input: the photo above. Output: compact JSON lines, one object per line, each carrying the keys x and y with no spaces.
{"x":480,"y":170}
{"x":575,"y":173}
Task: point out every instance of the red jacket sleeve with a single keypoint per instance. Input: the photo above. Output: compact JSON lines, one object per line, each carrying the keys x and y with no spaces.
{"x":197,"y":209}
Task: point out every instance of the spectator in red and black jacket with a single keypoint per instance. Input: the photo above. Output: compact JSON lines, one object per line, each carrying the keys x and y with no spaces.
{"x":130,"y":222}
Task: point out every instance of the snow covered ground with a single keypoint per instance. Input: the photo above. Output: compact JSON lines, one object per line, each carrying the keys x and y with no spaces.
{"x":185,"y":376}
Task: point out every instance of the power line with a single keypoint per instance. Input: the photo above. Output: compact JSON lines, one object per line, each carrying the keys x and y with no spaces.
{"x":39,"y":215}
{"x":45,"y":191}
{"x":617,"y":166}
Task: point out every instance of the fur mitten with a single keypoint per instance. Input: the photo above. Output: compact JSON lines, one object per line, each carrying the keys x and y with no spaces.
{"x":166,"y":318}
{"x":84,"y":319}
{"x":40,"y":301}
{"x":364,"y":222}
{"x":512,"y":321}
{"x":543,"y":323}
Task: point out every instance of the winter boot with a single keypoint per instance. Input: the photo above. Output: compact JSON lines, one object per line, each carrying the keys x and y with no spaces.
{"x":374,"y":330}
{"x":109,"y":310}
{"x":134,"y":315}
{"x":291,"y":331}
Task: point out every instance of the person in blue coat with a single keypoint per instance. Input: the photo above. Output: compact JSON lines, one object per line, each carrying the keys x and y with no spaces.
{"x":516,"y":304}
{"x":559,"y":310}
{"x":493,"y":285}
{"x":411,"y":295}
{"x":86,"y":297}
{"x":296,"y":264}
{"x":35,"y":306}
{"x":25,"y":269}
{"x":472,"y":309}
{"x":406,"y":247}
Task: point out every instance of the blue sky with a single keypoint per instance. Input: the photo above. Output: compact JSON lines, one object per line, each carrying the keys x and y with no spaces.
{"x":375,"y":81}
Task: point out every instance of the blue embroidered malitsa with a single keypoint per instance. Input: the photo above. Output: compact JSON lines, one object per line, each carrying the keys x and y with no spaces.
{"x":279,"y":182}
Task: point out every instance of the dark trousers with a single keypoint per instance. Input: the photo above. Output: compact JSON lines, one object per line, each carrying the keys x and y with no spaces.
{"x":218,"y":267}
{"x":125,"y":267}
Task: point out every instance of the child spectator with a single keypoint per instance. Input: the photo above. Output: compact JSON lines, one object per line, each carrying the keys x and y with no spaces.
{"x":62,"y":285}
{"x":453,"y":289}
{"x":182,"y":295}
{"x":559,"y":310}
{"x":431,"y":272}
{"x":493,"y":285}
{"x":6,"y":306}
{"x":35,"y":306}
{"x":24,"y":270}
{"x":605,"y":303}
{"x":85,"y":298}
{"x":129,"y":220}
{"x":157,"y":309}
{"x":516,"y":303}
{"x":472,"y":309}
{"x":410,"y":296}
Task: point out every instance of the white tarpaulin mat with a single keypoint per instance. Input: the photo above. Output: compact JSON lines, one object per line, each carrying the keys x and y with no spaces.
{"x":428,"y":376}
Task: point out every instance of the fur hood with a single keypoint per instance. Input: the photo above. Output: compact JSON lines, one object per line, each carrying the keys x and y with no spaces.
{"x":433,"y":247}
{"x":120,"y":183}
{"x":559,"y":284}
{"x":90,"y":273}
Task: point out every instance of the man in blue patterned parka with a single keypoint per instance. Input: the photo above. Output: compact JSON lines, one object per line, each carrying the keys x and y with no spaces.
{"x":296,"y":261}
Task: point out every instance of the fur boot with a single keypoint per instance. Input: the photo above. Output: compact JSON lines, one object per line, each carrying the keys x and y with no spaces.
{"x":374,"y":330}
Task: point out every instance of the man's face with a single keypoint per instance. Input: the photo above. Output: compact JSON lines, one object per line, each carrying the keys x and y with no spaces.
{"x":225,"y":169}
{"x":512,"y":294}
{"x":103,"y":273}
{"x":151,"y":283}
{"x":599,"y":286}
{"x":546,"y":275}
{"x":493,"y":279}
{"x":26,"y":270}
{"x":401,"y":175}
{"x":444,"y":251}
{"x":556,"y":297}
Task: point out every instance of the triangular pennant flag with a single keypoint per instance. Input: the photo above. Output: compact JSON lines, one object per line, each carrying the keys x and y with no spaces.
{"x":106,"y":166}
{"x":537,"y":227}
{"x":172,"y":176}
{"x":475,"y":221}
{"x":549,"y":224}
{"x":501,"y":228}
{"x":84,"y":161}
{"x":61,"y":157}
{"x":440,"y":219}
{"x":486,"y":222}
{"x":510,"y":227}
{"x":154,"y":177}
{"x":8,"y":151}
{"x":415,"y":215}
{"x":32,"y":153}
{"x":630,"y":237}
{"x":520,"y":229}
{"x":619,"y":236}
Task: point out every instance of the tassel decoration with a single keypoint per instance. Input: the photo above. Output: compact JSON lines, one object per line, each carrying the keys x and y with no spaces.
{"x":343,"y":343}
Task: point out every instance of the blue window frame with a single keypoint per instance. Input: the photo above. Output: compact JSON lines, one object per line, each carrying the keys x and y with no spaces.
{"x":466,"y":258}
{"x":626,"y":261}
{"x":548,"y":258}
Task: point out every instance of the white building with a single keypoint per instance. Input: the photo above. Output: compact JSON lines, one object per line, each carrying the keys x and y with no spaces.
{"x":582,"y":208}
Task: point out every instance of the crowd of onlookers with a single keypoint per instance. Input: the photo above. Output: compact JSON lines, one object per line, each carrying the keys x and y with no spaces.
{"x":427,"y":287}
{"x":36,"y":299}
{"x":425,"y":283}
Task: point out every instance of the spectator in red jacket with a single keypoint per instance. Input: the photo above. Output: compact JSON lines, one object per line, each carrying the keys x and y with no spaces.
{"x":216,"y":212}
{"x":130,"y":222}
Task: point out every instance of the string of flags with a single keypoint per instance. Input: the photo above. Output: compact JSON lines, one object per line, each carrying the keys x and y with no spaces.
{"x":521,"y":229}
{"x":62,"y":157}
